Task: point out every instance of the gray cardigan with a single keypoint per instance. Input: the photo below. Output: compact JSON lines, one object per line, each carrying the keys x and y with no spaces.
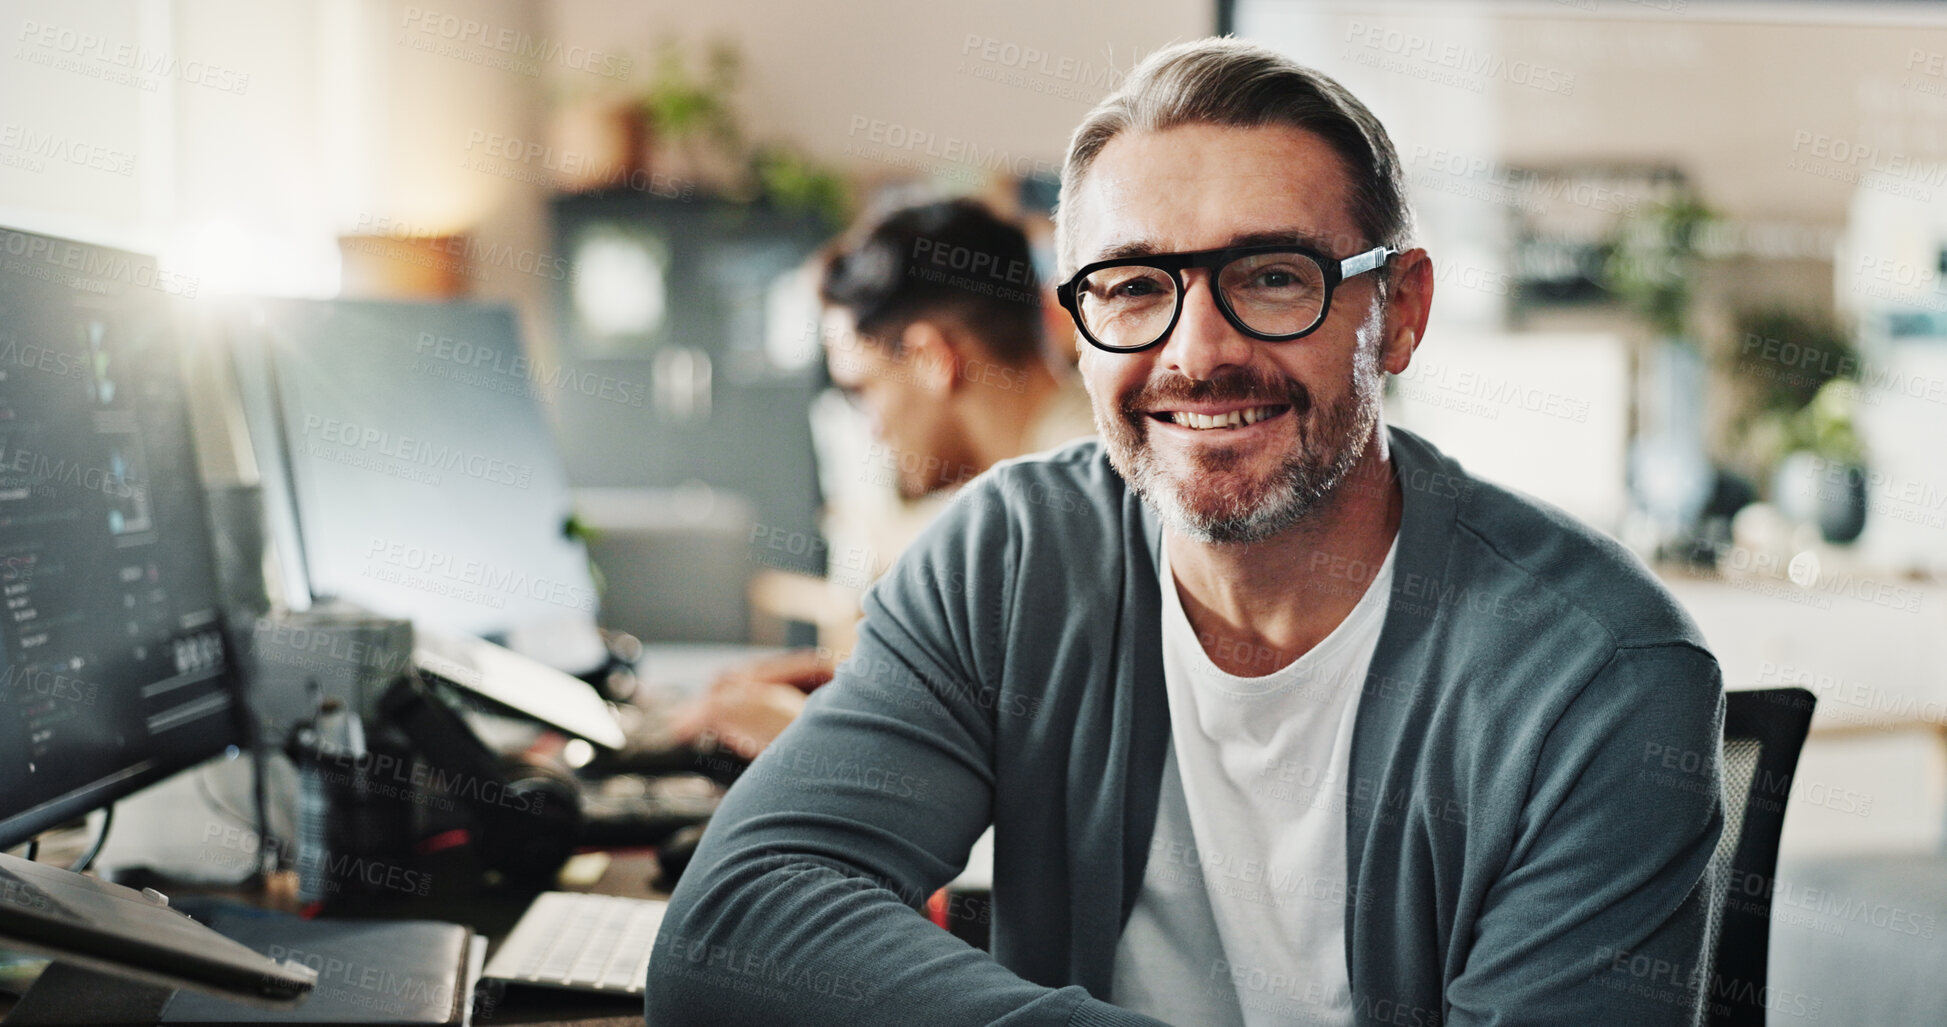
{"x":1532,"y":805}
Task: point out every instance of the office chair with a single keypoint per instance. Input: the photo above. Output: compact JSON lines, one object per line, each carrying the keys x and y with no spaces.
{"x":1763,"y":732}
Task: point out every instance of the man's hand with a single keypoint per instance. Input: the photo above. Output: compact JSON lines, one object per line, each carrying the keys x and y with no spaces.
{"x":749,"y":706}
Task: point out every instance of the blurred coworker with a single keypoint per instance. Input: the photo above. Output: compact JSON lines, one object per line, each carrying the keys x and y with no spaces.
{"x":933,"y":327}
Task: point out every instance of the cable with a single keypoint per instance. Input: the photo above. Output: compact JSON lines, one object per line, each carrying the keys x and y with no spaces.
{"x":268,"y":847}
{"x":101,"y":838}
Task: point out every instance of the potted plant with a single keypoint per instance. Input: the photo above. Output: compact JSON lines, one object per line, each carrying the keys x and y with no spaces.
{"x":1826,"y":444}
{"x":689,"y":125}
{"x":1794,"y":372}
{"x":693,"y":132}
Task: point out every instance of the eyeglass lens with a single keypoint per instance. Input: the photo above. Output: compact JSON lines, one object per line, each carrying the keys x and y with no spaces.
{"x":1271,"y":293}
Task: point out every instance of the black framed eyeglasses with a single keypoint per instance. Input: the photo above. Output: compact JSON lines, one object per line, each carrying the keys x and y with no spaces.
{"x":1272,"y":292}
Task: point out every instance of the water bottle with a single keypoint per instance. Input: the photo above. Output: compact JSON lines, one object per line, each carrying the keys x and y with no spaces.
{"x":329,"y":750}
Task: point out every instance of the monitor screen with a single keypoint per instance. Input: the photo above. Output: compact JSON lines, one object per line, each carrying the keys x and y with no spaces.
{"x":424,"y":478}
{"x":113,"y":669}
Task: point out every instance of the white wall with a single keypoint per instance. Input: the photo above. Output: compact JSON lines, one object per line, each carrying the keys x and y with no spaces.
{"x":1013,"y":76}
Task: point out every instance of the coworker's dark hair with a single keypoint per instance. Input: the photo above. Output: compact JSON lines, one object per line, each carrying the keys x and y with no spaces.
{"x":1228,"y":82}
{"x":952,"y":260}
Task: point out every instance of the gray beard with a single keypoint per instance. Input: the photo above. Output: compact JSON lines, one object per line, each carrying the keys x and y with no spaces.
{"x":1305,"y":483}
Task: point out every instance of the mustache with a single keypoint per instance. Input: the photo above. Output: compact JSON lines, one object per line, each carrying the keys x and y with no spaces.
{"x":1228,"y":385}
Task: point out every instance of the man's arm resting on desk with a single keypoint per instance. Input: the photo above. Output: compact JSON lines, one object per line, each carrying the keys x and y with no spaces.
{"x":1600,"y":915}
{"x":800,"y":906}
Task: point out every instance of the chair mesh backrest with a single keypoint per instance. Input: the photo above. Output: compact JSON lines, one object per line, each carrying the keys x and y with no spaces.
{"x":1763,"y":732}
{"x":1740,"y":767}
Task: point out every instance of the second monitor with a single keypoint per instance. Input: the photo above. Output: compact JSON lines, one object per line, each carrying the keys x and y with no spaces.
{"x":409,"y":467}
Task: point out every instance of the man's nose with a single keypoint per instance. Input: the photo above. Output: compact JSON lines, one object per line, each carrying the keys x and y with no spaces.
{"x":1203,"y":340}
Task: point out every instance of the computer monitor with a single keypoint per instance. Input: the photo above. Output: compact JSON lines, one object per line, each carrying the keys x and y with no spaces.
{"x":114,"y":671}
{"x":409,"y":468}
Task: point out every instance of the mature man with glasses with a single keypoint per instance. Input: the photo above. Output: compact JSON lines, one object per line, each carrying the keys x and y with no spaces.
{"x":1279,"y":715}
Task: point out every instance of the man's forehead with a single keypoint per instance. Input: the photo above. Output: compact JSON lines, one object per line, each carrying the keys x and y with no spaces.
{"x":1205,"y":186}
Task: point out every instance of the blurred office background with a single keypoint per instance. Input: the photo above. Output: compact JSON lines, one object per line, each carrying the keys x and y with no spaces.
{"x":1689,"y":253}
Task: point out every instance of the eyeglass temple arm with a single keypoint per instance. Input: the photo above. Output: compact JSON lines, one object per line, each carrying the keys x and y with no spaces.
{"x":1364,"y":262}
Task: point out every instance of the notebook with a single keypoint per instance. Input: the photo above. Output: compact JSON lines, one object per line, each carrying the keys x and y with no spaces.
{"x":399,"y":972}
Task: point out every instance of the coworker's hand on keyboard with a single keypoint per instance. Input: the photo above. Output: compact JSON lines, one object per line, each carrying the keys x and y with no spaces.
{"x":750,"y":705}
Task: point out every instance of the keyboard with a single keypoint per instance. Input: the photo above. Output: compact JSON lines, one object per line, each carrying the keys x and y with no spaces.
{"x":580,"y":942}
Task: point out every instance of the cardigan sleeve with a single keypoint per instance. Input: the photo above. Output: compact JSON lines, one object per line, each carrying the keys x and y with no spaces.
{"x":801,"y":904}
{"x":1600,"y":914}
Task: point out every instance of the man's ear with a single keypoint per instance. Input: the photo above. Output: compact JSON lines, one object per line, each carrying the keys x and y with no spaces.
{"x":930,"y":356}
{"x":1408,"y":303}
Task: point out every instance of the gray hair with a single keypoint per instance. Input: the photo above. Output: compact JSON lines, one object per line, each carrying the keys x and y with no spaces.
{"x":1228,"y":82}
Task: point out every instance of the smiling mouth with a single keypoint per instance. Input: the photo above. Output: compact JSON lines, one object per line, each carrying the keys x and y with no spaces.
{"x":1211,"y":422}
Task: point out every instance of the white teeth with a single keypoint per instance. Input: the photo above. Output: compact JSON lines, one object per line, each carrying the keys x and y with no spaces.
{"x":1233,"y":419}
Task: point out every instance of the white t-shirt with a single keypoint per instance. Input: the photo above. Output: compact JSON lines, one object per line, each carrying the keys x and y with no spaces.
{"x":1241,"y":917}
